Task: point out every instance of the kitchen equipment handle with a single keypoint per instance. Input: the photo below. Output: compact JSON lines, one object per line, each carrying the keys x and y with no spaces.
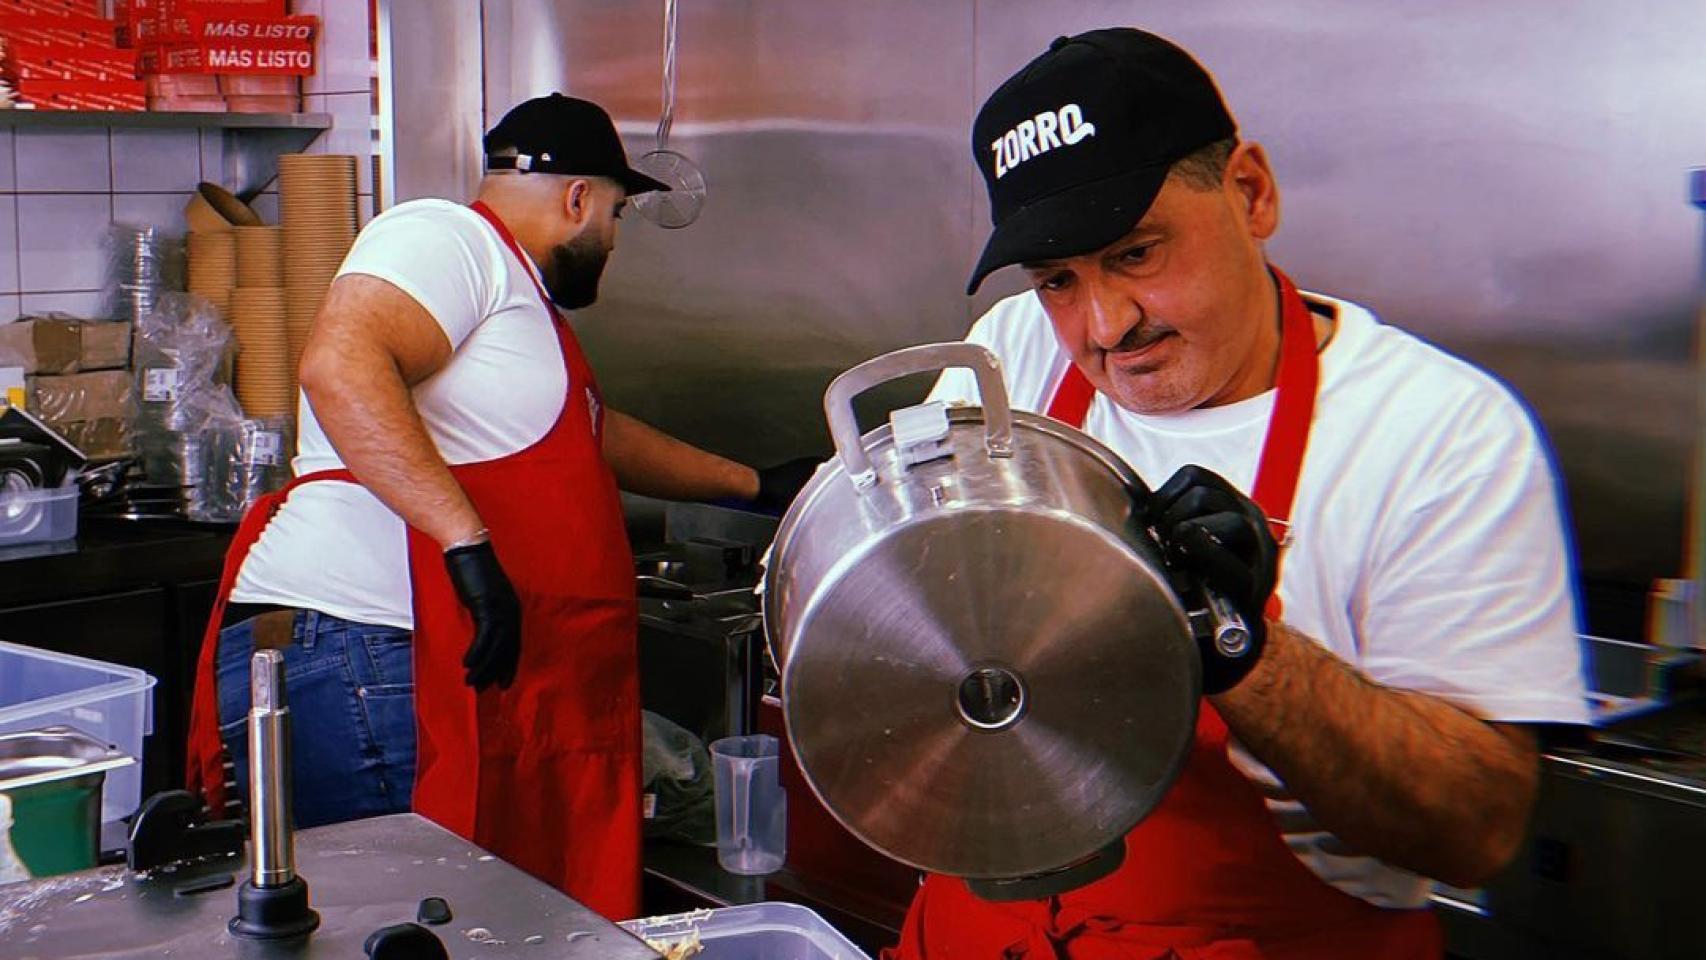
{"x":992,"y":395}
{"x":1231,"y":633}
{"x":270,"y":841}
{"x":742,"y":806}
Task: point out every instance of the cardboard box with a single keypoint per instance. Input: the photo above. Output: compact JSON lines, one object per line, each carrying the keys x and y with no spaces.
{"x":227,"y":8}
{"x":276,"y":58}
{"x":82,"y":94}
{"x":184,"y":27}
{"x":106,"y":395}
{"x":106,"y":438}
{"x":65,"y":62}
{"x":91,"y":33}
{"x":54,"y":9}
{"x":132,"y":14}
{"x":41,"y":346}
{"x":104,"y":345}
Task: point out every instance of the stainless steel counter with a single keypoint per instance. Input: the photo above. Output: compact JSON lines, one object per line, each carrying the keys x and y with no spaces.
{"x":362,"y":876}
{"x":1611,"y":867}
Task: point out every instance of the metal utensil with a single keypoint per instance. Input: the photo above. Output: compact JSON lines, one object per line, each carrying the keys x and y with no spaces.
{"x":680,"y":205}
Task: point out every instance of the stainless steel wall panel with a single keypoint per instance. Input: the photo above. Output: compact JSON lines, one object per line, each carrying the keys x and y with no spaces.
{"x":831,"y":137}
{"x":1507,"y":181}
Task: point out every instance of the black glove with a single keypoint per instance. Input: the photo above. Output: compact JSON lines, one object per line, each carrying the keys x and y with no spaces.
{"x":485,"y":590}
{"x":780,"y":484}
{"x":1221,"y":539}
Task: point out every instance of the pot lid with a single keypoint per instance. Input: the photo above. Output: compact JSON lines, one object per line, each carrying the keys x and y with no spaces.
{"x":992,"y":692}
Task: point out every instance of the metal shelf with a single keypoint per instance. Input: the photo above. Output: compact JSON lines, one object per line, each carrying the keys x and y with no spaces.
{"x":153,"y":120}
{"x":250,"y":142}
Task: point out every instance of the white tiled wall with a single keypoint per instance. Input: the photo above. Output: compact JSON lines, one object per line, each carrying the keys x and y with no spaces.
{"x":61,"y":190}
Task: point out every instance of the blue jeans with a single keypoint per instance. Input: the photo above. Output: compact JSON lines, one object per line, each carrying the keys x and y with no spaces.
{"x":350,"y":688}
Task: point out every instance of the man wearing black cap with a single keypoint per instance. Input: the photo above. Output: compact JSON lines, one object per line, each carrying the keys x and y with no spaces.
{"x":452,"y":558}
{"x":1378,"y":730}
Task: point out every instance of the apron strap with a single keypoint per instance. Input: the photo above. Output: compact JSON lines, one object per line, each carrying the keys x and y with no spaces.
{"x":491,"y":217}
{"x":205,"y":773}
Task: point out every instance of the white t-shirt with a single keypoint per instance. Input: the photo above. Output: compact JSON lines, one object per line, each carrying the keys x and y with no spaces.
{"x":1427,"y":546}
{"x":333,"y":547}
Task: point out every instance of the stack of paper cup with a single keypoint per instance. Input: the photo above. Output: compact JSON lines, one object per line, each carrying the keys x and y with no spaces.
{"x":317,"y":204}
{"x":266,"y":384}
{"x":260,"y":256}
{"x":213,"y":267}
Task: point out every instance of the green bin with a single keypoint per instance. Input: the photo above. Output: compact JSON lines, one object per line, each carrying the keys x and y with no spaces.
{"x":51,"y":779}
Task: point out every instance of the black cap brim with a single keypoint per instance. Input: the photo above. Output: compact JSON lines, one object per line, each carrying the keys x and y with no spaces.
{"x":1070,"y":223}
{"x":633,"y":181}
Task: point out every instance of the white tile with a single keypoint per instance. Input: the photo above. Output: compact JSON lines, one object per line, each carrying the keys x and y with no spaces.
{"x":8,"y":244}
{"x":10,"y":307}
{"x":363,"y":209}
{"x":266,"y":204}
{"x":8,"y":161}
{"x":162,"y":210}
{"x":64,"y":241}
{"x":342,"y":59}
{"x":88,"y":304}
{"x":50,"y":160}
{"x":351,"y":133}
{"x":156,"y":160}
{"x":213,"y":155}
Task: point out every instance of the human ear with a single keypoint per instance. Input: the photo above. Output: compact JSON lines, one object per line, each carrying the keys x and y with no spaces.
{"x":1251,"y":183}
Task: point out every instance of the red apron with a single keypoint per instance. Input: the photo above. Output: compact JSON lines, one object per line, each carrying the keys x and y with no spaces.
{"x":545,"y":774}
{"x":1207,"y":874}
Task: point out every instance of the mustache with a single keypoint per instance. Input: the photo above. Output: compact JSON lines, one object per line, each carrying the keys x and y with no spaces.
{"x":1141,"y":336}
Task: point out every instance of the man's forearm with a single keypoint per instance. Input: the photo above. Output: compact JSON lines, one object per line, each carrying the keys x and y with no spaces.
{"x":1398,"y":775}
{"x":365,"y":409}
{"x":650,"y":462}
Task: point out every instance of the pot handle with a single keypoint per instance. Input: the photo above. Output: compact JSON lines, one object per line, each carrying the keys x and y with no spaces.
{"x":844,"y":427}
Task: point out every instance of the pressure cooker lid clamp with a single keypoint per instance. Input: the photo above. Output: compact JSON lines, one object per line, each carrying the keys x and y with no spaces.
{"x":927,"y":430}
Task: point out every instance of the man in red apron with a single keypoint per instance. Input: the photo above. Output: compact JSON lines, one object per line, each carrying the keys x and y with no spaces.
{"x":1378,"y":731}
{"x":449,"y":576}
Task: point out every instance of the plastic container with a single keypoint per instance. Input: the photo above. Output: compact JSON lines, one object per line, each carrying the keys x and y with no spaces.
{"x":752,"y":810}
{"x":113,"y":704}
{"x":754,"y":931}
{"x":37,"y":516}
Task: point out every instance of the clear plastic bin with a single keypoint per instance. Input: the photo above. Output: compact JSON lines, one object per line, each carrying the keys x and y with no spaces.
{"x":111,"y":703}
{"x":38,"y":516}
{"x":756,"y":931}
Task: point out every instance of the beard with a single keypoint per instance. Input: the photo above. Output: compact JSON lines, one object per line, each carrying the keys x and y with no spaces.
{"x":571,"y":274}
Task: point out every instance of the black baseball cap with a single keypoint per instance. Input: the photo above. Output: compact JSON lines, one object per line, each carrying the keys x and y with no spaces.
{"x":564,"y":135}
{"x":1074,"y":147}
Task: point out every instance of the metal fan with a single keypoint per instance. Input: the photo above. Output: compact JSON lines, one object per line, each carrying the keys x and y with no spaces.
{"x":680,"y":205}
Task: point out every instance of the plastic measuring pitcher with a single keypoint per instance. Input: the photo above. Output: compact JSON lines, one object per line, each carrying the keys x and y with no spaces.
{"x":752,"y":811}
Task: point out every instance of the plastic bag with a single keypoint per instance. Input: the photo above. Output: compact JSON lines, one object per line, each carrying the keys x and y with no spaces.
{"x":183,"y":362}
{"x":245,"y":458}
{"x":676,"y":770}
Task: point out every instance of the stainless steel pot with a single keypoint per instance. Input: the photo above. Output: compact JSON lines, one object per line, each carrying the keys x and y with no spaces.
{"x":985,"y":672}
